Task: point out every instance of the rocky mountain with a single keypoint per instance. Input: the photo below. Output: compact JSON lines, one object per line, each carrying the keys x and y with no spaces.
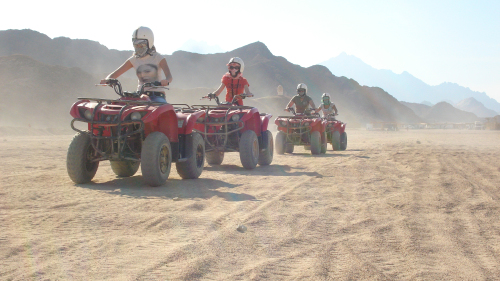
{"x":90,"y":56}
{"x":404,"y":86}
{"x":474,"y":106}
{"x":59,"y":59}
{"x":441,"y":112}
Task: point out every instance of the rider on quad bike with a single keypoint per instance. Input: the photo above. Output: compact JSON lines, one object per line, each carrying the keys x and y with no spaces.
{"x":304,"y":128}
{"x":301,"y":100}
{"x":232,"y":127}
{"x":335,"y":129}
{"x":234,"y":82}
{"x":327,"y":107}
{"x":139,"y":128}
{"x":147,"y":64}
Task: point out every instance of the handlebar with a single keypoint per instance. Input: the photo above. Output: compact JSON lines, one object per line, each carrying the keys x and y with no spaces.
{"x":116,"y":85}
{"x":211,"y":96}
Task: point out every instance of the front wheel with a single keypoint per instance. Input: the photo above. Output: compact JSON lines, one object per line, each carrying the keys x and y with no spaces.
{"x":266,"y":156}
{"x":125,"y":168}
{"x":192,"y":167}
{"x":156,"y":159}
{"x":315,"y":142}
{"x":343,"y":141}
{"x":323,"y":143}
{"x":280,"y":142}
{"x":336,"y":140}
{"x":81,"y":168}
{"x":249,"y":149}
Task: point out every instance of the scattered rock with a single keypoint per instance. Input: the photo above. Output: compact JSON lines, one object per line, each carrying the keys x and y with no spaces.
{"x":418,"y":142}
{"x":242,"y":228}
{"x":4,"y":139}
{"x":176,"y":199}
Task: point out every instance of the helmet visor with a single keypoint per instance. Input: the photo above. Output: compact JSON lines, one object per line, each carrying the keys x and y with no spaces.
{"x":301,"y":91}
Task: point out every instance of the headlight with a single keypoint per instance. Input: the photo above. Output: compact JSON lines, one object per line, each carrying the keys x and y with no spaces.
{"x":200,"y":120}
{"x":235,"y":117}
{"x":135,"y":116}
{"x":306,"y":124}
{"x":87,"y":114}
{"x":283,"y":123}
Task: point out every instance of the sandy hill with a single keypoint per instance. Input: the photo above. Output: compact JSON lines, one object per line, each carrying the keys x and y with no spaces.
{"x":35,"y":94}
{"x":441,"y":112}
{"x":476,"y":107}
{"x":357,"y":104}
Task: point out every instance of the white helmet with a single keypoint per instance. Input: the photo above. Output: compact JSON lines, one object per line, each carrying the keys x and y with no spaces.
{"x":144,"y":33}
{"x":238,"y":61}
{"x":302,"y":86}
{"x":323,"y":98}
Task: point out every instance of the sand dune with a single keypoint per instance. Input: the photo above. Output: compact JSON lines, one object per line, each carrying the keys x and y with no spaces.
{"x":408,"y":205}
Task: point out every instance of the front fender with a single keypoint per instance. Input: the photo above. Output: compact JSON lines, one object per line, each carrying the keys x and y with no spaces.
{"x":265,"y":121}
{"x":191,"y":121}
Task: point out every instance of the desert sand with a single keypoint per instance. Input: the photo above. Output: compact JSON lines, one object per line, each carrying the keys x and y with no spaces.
{"x":407,"y":205}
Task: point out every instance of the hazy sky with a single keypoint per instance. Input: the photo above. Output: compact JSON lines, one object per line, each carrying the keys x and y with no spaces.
{"x":436,"y":41}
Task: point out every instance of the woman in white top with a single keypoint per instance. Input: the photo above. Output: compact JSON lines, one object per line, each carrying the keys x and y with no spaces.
{"x":147,"y":64}
{"x":327,"y":107}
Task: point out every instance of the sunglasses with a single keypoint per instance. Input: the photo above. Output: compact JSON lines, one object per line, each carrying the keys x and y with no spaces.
{"x":301,"y":91}
{"x":140,"y":43}
{"x":234,"y":67}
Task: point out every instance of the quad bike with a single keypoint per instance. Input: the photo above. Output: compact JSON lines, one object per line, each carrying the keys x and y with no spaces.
{"x":300,"y":129}
{"x":229,"y":127}
{"x":133,"y":131}
{"x":335,"y":132}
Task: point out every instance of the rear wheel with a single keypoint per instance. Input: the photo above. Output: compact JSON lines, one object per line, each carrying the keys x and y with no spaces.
{"x":249,"y":149}
{"x":289,"y":148}
{"x":343,"y":141}
{"x":336,"y":140}
{"x":125,"y":168}
{"x":323,"y":143}
{"x":214,"y":157}
{"x":193,"y":167}
{"x":156,"y":159}
{"x":315,"y":142}
{"x":280,"y":142}
{"x":81,"y":168}
{"x":266,"y":156}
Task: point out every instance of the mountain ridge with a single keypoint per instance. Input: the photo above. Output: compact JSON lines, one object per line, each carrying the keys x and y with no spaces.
{"x":404,"y":86}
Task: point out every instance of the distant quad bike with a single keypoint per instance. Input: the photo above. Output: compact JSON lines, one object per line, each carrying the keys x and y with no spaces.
{"x":301,"y":129}
{"x":228,"y":127}
{"x":133,"y":131}
{"x":335,"y":132}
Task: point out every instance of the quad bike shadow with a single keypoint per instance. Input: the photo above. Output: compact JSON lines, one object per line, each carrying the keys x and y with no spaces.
{"x":183,"y":189}
{"x":273,"y":170}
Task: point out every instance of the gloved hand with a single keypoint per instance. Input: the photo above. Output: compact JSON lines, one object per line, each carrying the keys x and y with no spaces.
{"x":211,"y":95}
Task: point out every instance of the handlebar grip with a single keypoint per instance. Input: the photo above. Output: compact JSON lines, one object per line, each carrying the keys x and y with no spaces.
{"x":156,"y":83}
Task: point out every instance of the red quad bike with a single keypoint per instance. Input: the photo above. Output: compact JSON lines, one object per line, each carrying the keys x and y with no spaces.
{"x":300,"y":129}
{"x":133,"y":131}
{"x":228,"y":127}
{"x":335,"y":132}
